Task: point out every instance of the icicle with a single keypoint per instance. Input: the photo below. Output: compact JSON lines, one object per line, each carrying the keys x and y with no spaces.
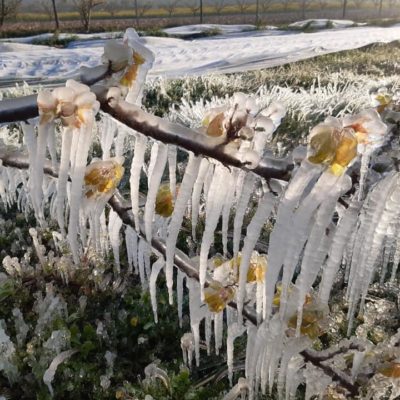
{"x":107,"y":132}
{"x":340,"y":239}
{"x":141,"y":257}
{"x":215,"y":202}
{"x":172,"y":151}
{"x":318,"y":243}
{"x":114,"y":227}
{"x":197,"y":312}
{"x":292,"y":349}
{"x":379,"y":211}
{"x":204,"y":168}
{"x":293,"y":378}
{"x":226,"y":212}
{"x":152,"y":161}
{"x":396,"y":260}
{"x":263,"y":212}
{"x":301,"y":227}
{"x":283,"y":226}
{"x":207,"y":332}
{"x":131,"y":249}
{"x":241,"y":208}
{"x":316,"y":381}
{"x":136,"y":167}
{"x":119,"y":144}
{"x":51,"y":371}
{"x":44,"y":129}
{"x":177,"y":217}
{"x":179,"y":294}
{"x":365,"y":159}
{"x":153,"y":189}
{"x":187,"y":346}
{"x":155,"y":270}
{"x":239,"y":390}
{"x":218,"y":330}
{"x":235,"y":330}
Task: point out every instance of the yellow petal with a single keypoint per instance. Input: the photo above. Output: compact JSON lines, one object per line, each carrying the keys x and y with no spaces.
{"x":164,"y":201}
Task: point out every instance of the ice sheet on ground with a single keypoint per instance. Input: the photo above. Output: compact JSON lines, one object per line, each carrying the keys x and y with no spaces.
{"x":176,"y":58}
{"x":324,"y":23}
{"x":189,"y":30}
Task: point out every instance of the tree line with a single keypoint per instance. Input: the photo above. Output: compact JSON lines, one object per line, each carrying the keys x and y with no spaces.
{"x":196,"y":8}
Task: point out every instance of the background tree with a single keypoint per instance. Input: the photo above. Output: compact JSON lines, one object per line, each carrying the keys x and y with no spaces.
{"x":344,"y":7}
{"x":8,"y":9}
{"x":218,"y":6}
{"x":85,"y":9}
{"x":193,"y":7}
{"x":265,"y":5}
{"x":50,"y":8}
{"x":142,"y":9}
{"x":304,"y":4}
{"x":170,"y":7}
{"x":323,"y":4}
{"x":243,"y":6}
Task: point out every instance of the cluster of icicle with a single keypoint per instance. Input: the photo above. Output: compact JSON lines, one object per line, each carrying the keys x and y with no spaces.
{"x":81,"y":191}
{"x":305,"y":242}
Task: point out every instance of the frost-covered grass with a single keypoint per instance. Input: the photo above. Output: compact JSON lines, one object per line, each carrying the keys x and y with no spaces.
{"x":332,"y":84}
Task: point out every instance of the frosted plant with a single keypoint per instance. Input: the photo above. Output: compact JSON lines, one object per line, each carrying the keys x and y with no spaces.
{"x":76,"y":107}
{"x":100,"y":181}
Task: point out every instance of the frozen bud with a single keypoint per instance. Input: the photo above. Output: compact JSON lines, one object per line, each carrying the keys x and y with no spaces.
{"x":102,"y":178}
{"x":216,"y":126}
{"x":257,"y":268}
{"x":64,"y":94}
{"x":129,"y":77}
{"x":322,"y":143}
{"x":249,"y":158}
{"x":369,"y":129}
{"x":390,"y":370}
{"x":117,"y":54}
{"x":381,"y":99}
{"x":47,"y":105}
{"x":217,"y":296}
{"x":164,"y":201}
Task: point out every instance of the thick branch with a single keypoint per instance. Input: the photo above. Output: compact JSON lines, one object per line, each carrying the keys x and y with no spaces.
{"x":186,"y":138}
{"x":23,"y":108}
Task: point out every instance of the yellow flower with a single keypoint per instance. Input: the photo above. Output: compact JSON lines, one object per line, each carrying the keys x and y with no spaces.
{"x":391,"y":370}
{"x":313,"y":323}
{"x":164,"y":201}
{"x":134,"y":321}
{"x":332,"y":145}
{"x":217,"y":296}
{"x":102,"y":178}
{"x":131,"y":73}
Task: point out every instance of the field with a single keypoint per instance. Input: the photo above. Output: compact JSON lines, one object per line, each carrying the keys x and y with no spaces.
{"x":102,"y":310}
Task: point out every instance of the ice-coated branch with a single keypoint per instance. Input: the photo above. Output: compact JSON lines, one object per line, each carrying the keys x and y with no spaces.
{"x":123,"y":208}
{"x":23,"y":108}
{"x":171,"y":133}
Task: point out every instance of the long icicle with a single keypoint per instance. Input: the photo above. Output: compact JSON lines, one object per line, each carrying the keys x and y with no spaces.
{"x":263,"y":212}
{"x":136,"y":167}
{"x":181,"y":202}
{"x":153,"y":189}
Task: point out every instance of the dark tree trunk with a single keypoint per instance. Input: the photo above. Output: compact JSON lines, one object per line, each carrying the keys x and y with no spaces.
{"x":303,"y":9}
{"x":344,"y":8}
{"x":57,"y":22}
{"x":201,"y":11}
{"x":257,"y":12}
{"x":136,"y":13}
{"x":3,"y":11}
{"x":380,"y":8}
